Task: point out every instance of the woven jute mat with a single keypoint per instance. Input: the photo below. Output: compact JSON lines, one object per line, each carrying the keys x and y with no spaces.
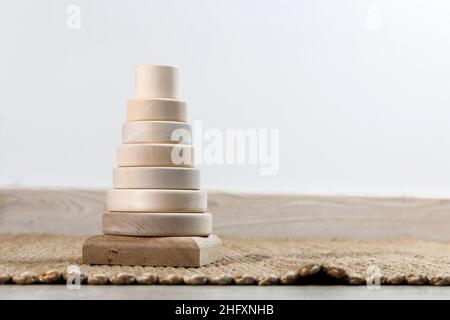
{"x":27,"y":259}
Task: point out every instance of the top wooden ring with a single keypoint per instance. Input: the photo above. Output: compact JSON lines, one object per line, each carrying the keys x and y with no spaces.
{"x":156,"y":81}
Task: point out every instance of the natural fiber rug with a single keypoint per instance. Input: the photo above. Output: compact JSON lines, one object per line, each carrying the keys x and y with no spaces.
{"x":26,"y":259}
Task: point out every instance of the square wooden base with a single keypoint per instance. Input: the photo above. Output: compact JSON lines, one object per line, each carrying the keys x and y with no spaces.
{"x":152,"y":251}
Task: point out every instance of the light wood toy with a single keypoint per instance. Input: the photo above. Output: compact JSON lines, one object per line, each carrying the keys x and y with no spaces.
{"x":156,"y":200}
{"x":156,"y":212}
{"x":153,"y":155}
{"x":156,"y":178}
{"x":154,"y":132}
{"x":157,"y":224}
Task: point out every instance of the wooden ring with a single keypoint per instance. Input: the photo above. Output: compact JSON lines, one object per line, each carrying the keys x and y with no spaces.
{"x":156,"y":178}
{"x":146,"y":224}
{"x":155,"y":155}
{"x":156,"y":132}
{"x":156,"y":110}
{"x":156,"y":200}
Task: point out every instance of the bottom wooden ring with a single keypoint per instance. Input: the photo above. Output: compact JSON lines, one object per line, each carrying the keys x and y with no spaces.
{"x":147,"y":224}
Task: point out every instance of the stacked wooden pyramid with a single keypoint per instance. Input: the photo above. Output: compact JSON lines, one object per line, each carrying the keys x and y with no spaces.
{"x":156,"y":212}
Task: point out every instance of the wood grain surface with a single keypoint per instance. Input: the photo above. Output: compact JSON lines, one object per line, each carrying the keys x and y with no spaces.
{"x":79,"y":211}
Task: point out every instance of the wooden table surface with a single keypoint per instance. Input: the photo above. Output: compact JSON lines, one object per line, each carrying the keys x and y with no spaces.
{"x":79,"y":211}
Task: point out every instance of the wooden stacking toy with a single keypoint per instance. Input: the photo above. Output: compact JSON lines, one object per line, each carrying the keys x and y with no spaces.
{"x":156,"y":213}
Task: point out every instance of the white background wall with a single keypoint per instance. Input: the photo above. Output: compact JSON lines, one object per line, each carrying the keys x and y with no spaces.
{"x":359,"y":89}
